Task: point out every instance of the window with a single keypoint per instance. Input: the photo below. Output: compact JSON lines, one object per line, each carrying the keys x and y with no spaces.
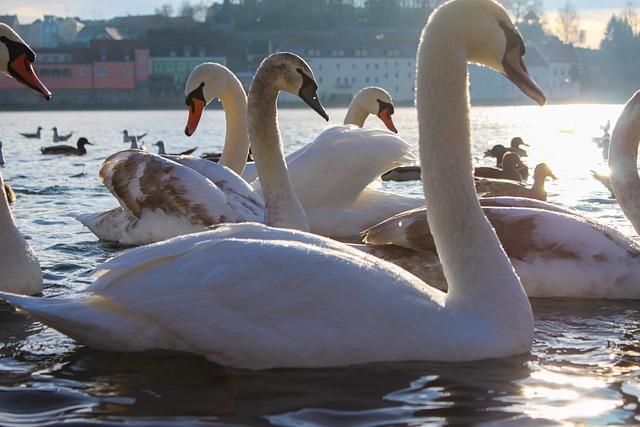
{"x":181,"y":66}
{"x":143,"y":72}
{"x":170,"y":66}
{"x":157,"y":66}
{"x":127,"y":72}
{"x":83,"y":72}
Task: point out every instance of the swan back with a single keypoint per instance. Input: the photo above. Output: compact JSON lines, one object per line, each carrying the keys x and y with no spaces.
{"x":623,"y":155}
{"x":207,"y":82}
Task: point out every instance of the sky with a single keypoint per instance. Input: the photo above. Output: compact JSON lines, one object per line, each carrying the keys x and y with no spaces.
{"x":594,"y":14}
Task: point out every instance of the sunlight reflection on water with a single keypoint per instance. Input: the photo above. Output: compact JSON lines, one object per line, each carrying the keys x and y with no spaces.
{"x":583,"y":367}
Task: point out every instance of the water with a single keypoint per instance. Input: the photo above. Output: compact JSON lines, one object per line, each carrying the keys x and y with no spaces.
{"x":583,"y":368}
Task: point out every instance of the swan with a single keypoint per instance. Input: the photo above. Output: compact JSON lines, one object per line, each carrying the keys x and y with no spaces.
{"x":207,"y":82}
{"x":257,"y":297}
{"x":556,"y":252}
{"x":20,"y":271}
{"x":332,"y":175}
{"x":623,"y":154}
{"x":196,"y":193}
{"x":78,"y":150}
{"x":11,"y":195}
{"x":507,"y":187}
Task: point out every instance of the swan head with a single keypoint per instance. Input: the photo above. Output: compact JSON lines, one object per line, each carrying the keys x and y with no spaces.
{"x":16,"y":60}
{"x":292,"y":75}
{"x":376,"y":101}
{"x":205,"y":83}
{"x":492,"y":41}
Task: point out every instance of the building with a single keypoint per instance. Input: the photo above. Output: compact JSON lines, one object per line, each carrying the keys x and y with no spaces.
{"x":555,"y":66}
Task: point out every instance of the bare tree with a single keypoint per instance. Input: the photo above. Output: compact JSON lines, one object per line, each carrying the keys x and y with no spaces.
{"x":631,"y":15}
{"x":569,"y":24}
{"x":166,"y":10}
{"x":520,"y":8}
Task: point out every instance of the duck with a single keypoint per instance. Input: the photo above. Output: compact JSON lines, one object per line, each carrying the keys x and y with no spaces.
{"x":59,"y":138}
{"x":556,"y":252}
{"x":516,"y":146}
{"x":254,"y":296}
{"x":19,"y":265}
{"x":510,"y":169}
{"x":34,"y":135}
{"x":402,"y":173}
{"x":126,"y":137}
{"x":508,"y":187}
{"x":79,"y":150}
{"x":161,"y":149}
{"x":498,"y":151}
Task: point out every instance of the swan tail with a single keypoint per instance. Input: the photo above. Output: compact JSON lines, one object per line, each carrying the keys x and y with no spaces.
{"x":96,"y":321}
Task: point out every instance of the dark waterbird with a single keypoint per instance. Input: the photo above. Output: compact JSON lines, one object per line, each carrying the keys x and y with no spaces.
{"x":80,"y":150}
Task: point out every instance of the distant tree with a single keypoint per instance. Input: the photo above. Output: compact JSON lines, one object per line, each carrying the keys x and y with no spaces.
{"x":569,"y":24}
{"x":630,"y":13}
{"x":166,"y":10}
{"x":196,"y":12}
{"x":520,"y":8}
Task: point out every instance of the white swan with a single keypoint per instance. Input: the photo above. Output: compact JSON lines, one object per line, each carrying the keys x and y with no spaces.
{"x":623,"y":161}
{"x":19,"y":267}
{"x":558,"y":253}
{"x":331,"y":175}
{"x":166,"y":196}
{"x":207,"y":82}
{"x":251,"y":296}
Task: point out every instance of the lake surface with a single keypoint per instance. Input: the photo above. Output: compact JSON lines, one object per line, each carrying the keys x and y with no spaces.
{"x":583,"y":368}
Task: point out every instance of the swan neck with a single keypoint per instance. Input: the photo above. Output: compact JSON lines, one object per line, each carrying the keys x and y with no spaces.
{"x":623,"y":155}
{"x":236,"y":141}
{"x":282,"y":207}
{"x":356,"y":115}
{"x":473,"y":260}
{"x":6,"y":217}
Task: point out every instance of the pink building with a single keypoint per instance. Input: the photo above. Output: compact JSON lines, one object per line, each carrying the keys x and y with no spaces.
{"x":104,"y":65}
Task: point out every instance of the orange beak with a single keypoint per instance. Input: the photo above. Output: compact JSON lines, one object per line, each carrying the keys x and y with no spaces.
{"x":22,"y":70}
{"x":385,"y":116}
{"x":195,"y":112}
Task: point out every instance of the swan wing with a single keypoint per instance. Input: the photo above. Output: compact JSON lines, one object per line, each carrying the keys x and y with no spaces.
{"x":343,"y":160}
{"x":242,"y":196}
{"x":161,"y":198}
